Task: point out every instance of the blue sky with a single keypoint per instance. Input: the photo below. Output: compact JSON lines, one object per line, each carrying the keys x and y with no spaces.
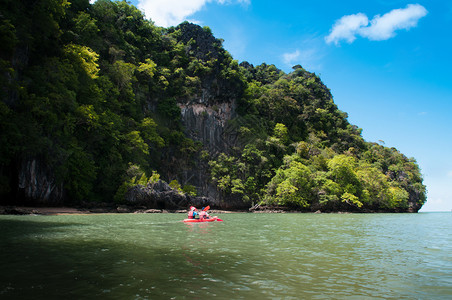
{"x":387,"y":62}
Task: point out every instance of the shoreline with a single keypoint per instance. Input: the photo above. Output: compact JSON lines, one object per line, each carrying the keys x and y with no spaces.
{"x":66,"y":210}
{"x":49,"y":211}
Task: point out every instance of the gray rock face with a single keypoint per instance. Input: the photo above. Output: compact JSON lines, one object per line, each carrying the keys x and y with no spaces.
{"x":38,"y":183}
{"x":205,"y":114}
{"x":207,"y":124}
{"x":162,"y":196}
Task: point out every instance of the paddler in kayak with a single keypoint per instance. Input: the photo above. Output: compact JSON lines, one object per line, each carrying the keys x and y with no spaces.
{"x":203,"y":214}
{"x":192,"y":213}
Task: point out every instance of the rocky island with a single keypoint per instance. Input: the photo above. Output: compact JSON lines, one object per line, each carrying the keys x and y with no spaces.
{"x":101,"y":107}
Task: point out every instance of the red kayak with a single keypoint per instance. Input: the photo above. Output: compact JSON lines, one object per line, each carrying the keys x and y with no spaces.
{"x":211,"y":219}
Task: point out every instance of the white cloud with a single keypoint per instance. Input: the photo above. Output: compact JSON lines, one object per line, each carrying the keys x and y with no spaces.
{"x":172,"y":12}
{"x":246,"y":2}
{"x":380,"y":27}
{"x":384,"y":27}
{"x":346,"y":28}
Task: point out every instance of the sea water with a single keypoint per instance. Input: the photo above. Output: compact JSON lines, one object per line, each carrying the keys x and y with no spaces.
{"x":248,"y":256}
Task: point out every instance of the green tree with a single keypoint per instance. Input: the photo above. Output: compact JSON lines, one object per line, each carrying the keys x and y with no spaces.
{"x":292,"y":185}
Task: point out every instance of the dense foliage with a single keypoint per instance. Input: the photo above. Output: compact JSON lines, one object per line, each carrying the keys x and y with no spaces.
{"x":300,"y":151}
{"x":93,"y":91}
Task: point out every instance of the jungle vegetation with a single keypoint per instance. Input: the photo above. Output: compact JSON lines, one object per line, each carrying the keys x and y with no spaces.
{"x":93,"y":91}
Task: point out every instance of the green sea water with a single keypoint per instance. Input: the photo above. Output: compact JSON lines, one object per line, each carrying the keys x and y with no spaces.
{"x":248,"y":256}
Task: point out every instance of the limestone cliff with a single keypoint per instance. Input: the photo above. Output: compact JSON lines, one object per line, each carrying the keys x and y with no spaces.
{"x":37,"y":183}
{"x":207,"y":123}
{"x":206,"y":113}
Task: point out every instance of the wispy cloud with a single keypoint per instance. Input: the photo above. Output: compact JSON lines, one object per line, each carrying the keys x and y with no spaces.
{"x":291,"y":58}
{"x":309,"y":54}
{"x":310,"y":59}
{"x":379,"y":28}
{"x":172,"y":12}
